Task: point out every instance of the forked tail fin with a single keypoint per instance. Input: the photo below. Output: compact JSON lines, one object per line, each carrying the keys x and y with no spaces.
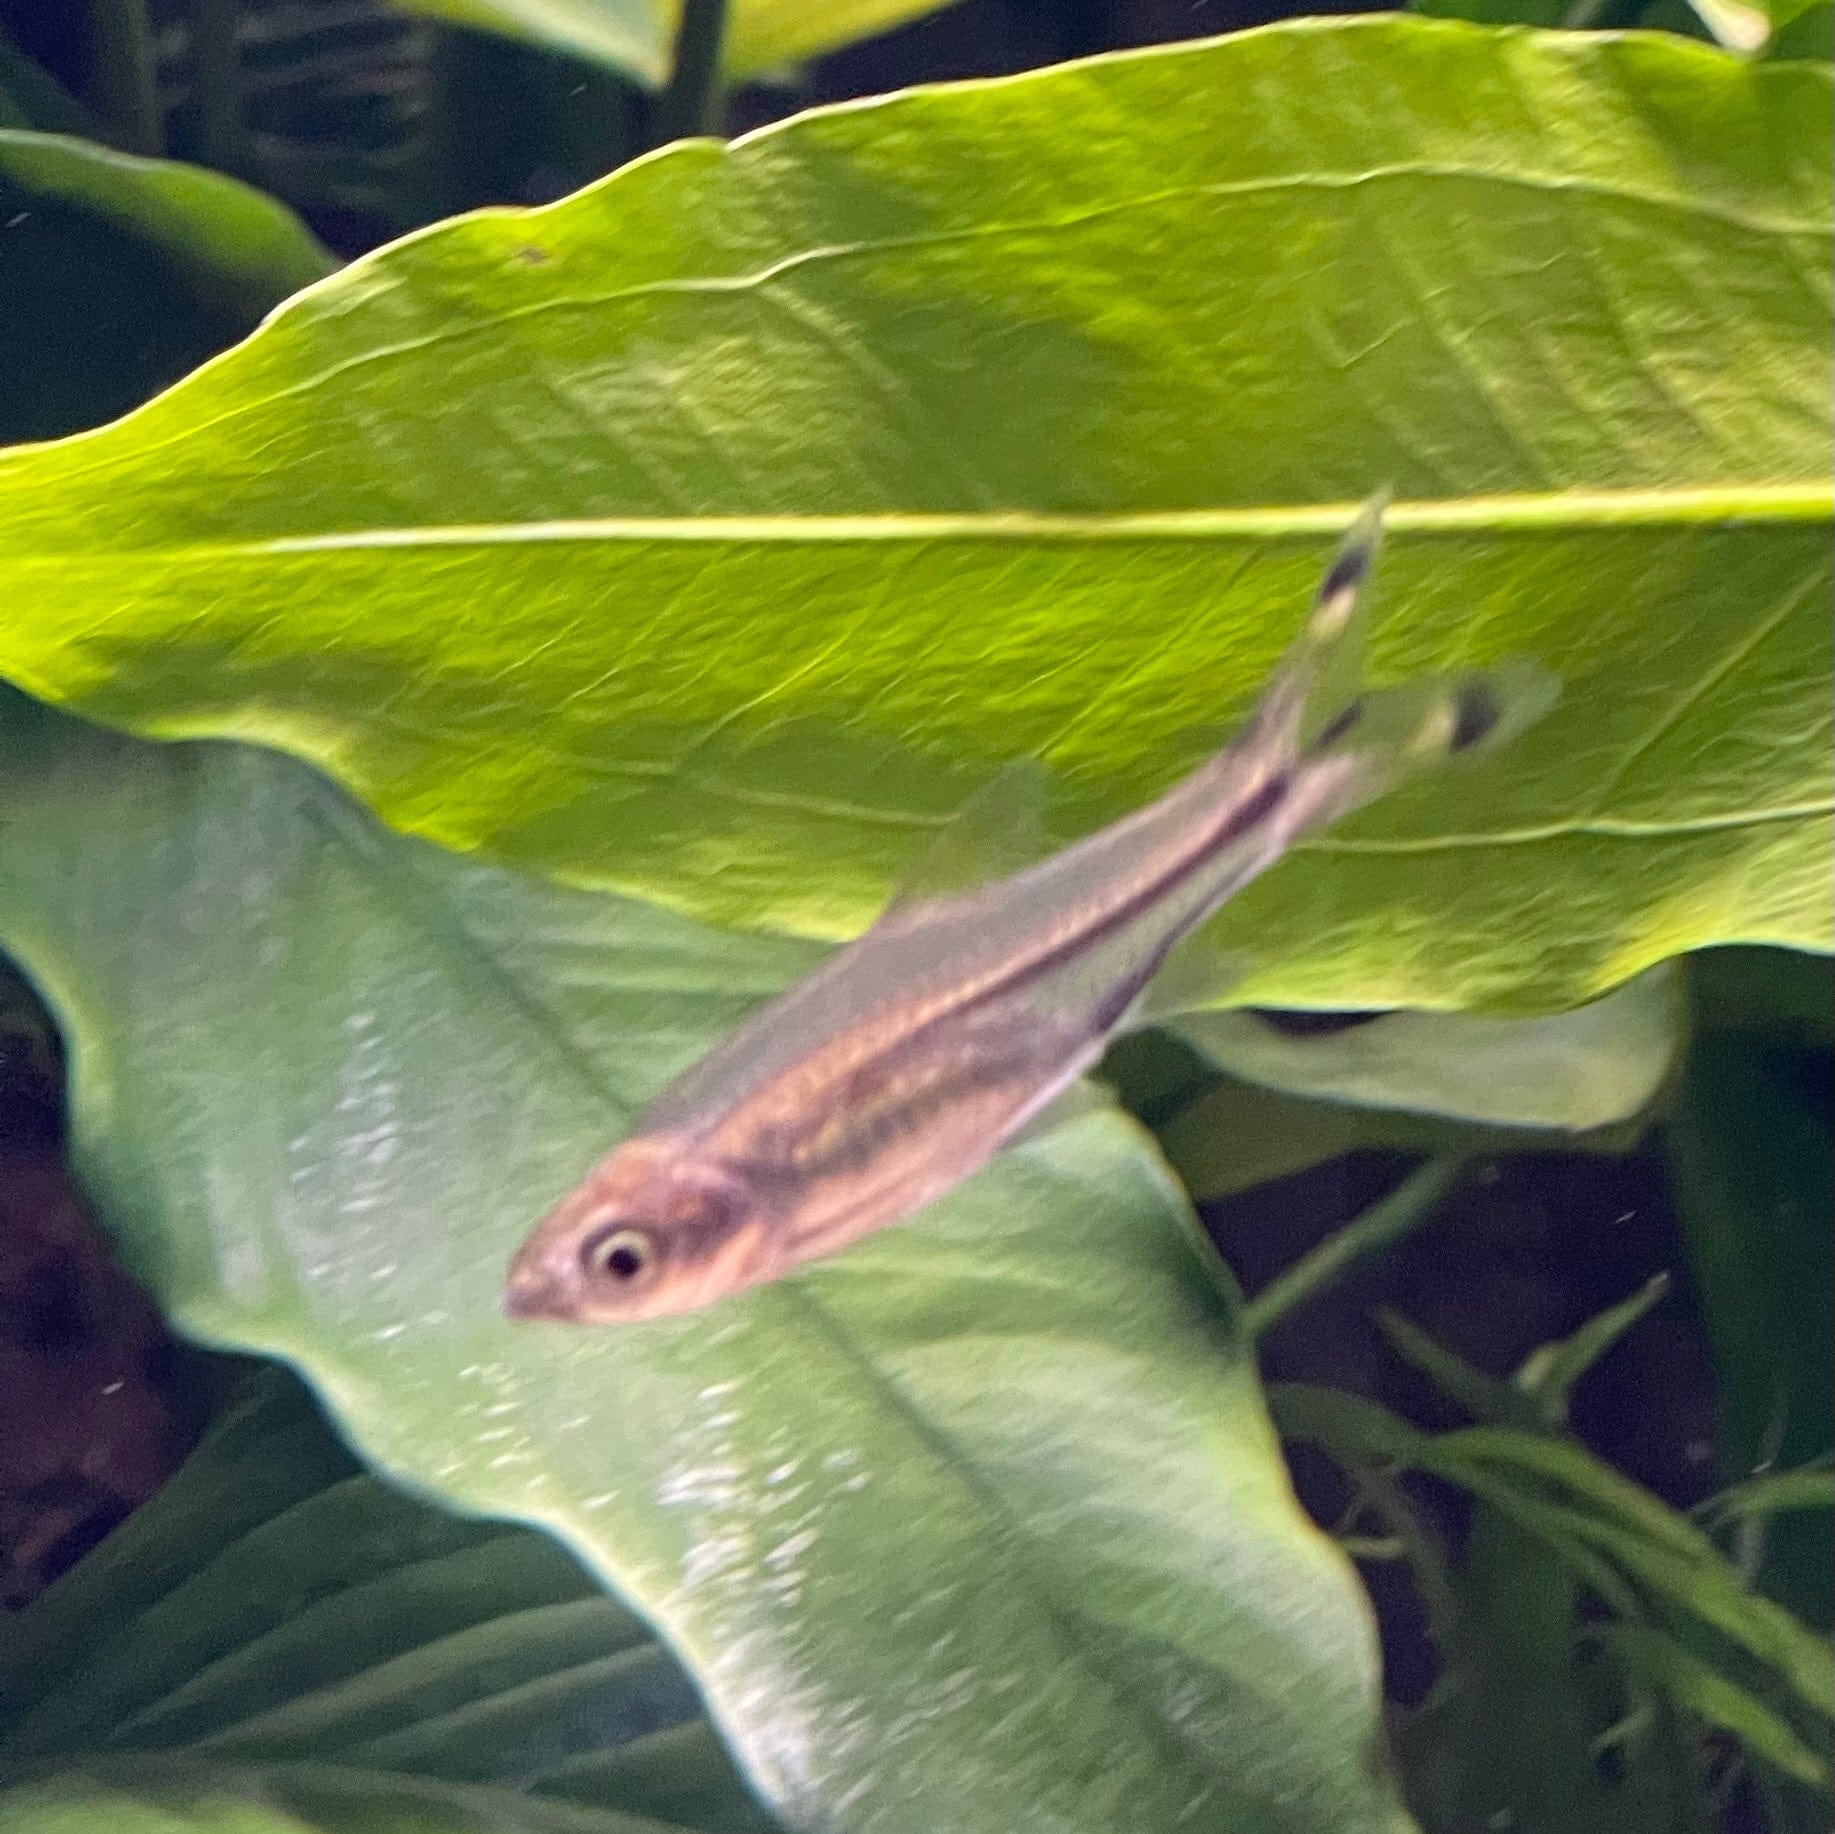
{"x":1321,"y":745}
{"x":1318,"y":706}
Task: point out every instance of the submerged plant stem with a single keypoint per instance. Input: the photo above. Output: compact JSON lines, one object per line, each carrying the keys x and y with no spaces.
{"x":126,"y":74}
{"x":690,"y":101}
{"x":217,"y":64}
{"x":1401,"y":1212}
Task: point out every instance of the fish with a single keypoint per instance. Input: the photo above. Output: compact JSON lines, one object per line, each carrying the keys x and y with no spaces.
{"x":910,"y":1057}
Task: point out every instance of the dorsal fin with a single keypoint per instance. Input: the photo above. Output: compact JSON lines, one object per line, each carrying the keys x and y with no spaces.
{"x":998,"y":830}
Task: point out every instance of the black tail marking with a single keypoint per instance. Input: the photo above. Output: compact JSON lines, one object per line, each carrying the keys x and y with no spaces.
{"x":1346,"y":573}
{"x":1477,"y":713}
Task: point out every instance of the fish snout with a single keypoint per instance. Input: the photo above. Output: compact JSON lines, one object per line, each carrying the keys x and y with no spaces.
{"x":537,"y":1291}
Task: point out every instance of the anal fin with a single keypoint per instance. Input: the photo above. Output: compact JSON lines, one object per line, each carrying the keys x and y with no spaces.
{"x":1075,"y":1102}
{"x":1198,"y":971}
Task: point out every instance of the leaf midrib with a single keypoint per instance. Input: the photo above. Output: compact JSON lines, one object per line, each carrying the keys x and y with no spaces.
{"x":1586,"y":830}
{"x":1744,"y":505}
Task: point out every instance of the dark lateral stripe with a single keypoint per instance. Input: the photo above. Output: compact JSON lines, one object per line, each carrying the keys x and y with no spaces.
{"x":1252,"y":813}
{"x":1241,"y":821}
{"x":1234,"y":825}
{"x":904,"y":1105}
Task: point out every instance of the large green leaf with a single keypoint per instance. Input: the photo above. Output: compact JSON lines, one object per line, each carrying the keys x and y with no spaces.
{"x":173,"y":1797}
{"x":242,"y":249}
{"x":1236,"y":1135}
{"x":711,"y":533}
{"x":1594,"y":1067}
{"x":980,"y":1525}
{"x":637,"y":36}
{"x":278,"y":1625}
{"x":118,"y":274}
{"x":1808,"y":34}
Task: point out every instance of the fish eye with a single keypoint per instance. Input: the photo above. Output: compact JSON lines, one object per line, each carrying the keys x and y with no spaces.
{"x":621,"y":1255}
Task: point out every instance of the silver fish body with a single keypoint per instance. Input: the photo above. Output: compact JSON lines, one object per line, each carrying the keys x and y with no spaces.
{"x":904,"y":1063}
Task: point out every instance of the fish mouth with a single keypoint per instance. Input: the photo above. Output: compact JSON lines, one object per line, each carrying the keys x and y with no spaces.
{"x":534,"y":1293}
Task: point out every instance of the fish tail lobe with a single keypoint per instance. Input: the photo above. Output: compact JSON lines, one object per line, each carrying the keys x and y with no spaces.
{"x":1426,"y":722}
{"x":1331,"y":727}
{"x":1323,"y":672}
